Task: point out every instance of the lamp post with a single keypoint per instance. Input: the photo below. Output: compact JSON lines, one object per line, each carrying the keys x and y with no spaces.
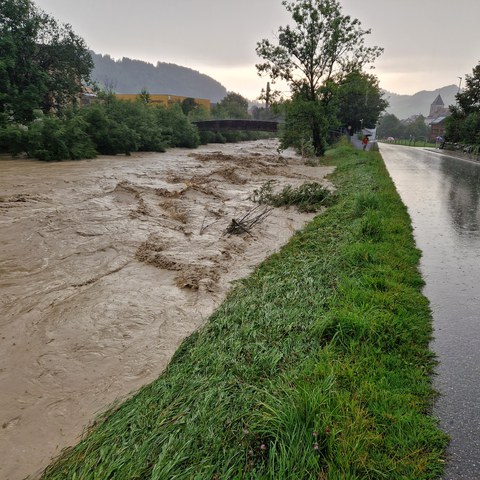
{"x":459,"y":84}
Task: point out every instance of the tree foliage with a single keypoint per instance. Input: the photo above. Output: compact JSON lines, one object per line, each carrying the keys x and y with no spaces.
{"x":232,"y":106}
{"x":303,"y":116}
{"x":469,"y":99}
{"x":390,"y":126}
{"x":417,"y":128}
{"x":188,"y":105}
{"x":43,"y":64}
{"x":360,"y":100}
{"x":463,"y":125}
{"x":109,"y":127}
{"x":321,"y":43}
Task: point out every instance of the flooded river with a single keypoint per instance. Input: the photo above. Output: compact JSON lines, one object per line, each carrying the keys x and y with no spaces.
{"x":443,"y":198}
{"x":106,"y":265}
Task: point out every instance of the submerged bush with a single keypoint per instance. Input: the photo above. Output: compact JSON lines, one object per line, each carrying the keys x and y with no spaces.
{"x":309,"y":197}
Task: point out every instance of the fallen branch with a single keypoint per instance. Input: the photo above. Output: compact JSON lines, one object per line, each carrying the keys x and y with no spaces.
{"x":245,"y":224}
{"x":204,"y":227}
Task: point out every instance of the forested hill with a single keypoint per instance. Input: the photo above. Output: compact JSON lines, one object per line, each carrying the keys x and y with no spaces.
{"x":132,"y":76}
{"x":404,"y":106}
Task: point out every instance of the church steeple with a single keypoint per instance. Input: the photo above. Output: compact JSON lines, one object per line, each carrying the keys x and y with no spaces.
{"x":437,"y":106}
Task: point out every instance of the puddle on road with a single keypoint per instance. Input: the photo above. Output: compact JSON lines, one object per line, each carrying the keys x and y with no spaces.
{"x":107,"y":265}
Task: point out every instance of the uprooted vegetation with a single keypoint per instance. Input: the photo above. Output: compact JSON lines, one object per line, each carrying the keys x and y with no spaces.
{"x":248,"y":221}
{"x":308,"y":197}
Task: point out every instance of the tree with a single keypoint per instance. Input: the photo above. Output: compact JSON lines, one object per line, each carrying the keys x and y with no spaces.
{"x":390,"y":126}
{"x":417,"y":129}
{"x":43,"y":64}
{"x":463,"y":125}
{"x":188,"y":105}
{"x":233,"y":105}
{"x":144,"y":96}
{"x":303,"y":116}
{"x":359,"y":100}
{"x":322,"y":43}
{"x":469,"y":99}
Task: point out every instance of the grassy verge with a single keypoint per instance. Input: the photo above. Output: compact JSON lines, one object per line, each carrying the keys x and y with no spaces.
{"x":317,"y":366}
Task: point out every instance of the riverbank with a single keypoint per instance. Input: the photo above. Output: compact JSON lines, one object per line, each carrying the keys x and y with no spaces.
{"x":316,"y":366}
{"x":108,"y":264}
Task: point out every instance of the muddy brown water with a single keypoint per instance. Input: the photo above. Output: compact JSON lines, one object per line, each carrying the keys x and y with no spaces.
{"x":106,"y":265}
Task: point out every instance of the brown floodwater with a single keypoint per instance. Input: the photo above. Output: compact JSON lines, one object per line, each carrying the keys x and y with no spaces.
{"x":106,"y":265}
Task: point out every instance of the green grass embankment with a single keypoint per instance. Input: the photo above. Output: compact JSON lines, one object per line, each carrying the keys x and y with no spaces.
{"x":315,"y":367}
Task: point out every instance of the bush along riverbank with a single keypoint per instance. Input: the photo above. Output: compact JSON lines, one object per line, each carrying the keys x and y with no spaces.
{"x":316,"y":366}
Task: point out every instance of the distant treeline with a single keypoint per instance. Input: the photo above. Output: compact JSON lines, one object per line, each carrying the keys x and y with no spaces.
{"x":111,"y":126}
{"x":132,"y":76}
{"x":44,"y":68}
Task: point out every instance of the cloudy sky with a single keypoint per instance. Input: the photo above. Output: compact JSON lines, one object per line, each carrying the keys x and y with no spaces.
{"x":428,"y":43}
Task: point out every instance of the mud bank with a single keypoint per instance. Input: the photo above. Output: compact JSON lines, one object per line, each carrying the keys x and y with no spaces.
{"x":106,"y":265}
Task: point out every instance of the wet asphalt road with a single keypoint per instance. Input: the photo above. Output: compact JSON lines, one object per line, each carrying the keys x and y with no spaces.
{"x":442,"y":195}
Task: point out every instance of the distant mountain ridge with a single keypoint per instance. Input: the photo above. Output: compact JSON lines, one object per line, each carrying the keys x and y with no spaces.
{"x":404,"y":106}
{"x":132,"y":76}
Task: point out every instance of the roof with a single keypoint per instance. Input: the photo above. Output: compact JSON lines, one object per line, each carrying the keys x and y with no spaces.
{"x":438,"y":101}
{"x":438,"y":120}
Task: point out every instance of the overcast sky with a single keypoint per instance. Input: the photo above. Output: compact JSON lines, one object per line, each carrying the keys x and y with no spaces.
{"x":428,"y":43}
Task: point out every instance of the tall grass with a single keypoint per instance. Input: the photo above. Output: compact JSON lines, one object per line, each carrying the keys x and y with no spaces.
{"x":315,"y":367}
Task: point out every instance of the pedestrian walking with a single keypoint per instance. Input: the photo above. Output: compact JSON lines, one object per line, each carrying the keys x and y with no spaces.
{"x":365,"y":142}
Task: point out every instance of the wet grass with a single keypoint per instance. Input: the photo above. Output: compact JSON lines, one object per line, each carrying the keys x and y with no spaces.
{"x":315,"y":367}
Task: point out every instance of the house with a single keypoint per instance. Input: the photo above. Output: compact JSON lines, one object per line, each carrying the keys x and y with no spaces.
{"x":437,"y":127}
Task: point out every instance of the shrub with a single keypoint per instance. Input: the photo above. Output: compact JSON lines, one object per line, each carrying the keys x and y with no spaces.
{"x":181,"y":133}
{"x":13,"y":139}
{"x":108,"y":135}
{"x":79,"y":143}
{"x":47,"y":139}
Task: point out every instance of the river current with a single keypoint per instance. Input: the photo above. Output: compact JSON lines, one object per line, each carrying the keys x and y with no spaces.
{"x":106,"y":265}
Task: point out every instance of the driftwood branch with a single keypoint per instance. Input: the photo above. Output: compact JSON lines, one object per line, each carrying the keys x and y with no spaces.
{"x":252,"y":217}
{"x":204,"y":227}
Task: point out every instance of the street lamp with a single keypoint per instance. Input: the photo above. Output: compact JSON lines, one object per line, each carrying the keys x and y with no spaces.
{"x":459,"y":84}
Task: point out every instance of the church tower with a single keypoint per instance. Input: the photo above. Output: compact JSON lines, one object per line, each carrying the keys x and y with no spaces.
{"x":437,"y":107}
